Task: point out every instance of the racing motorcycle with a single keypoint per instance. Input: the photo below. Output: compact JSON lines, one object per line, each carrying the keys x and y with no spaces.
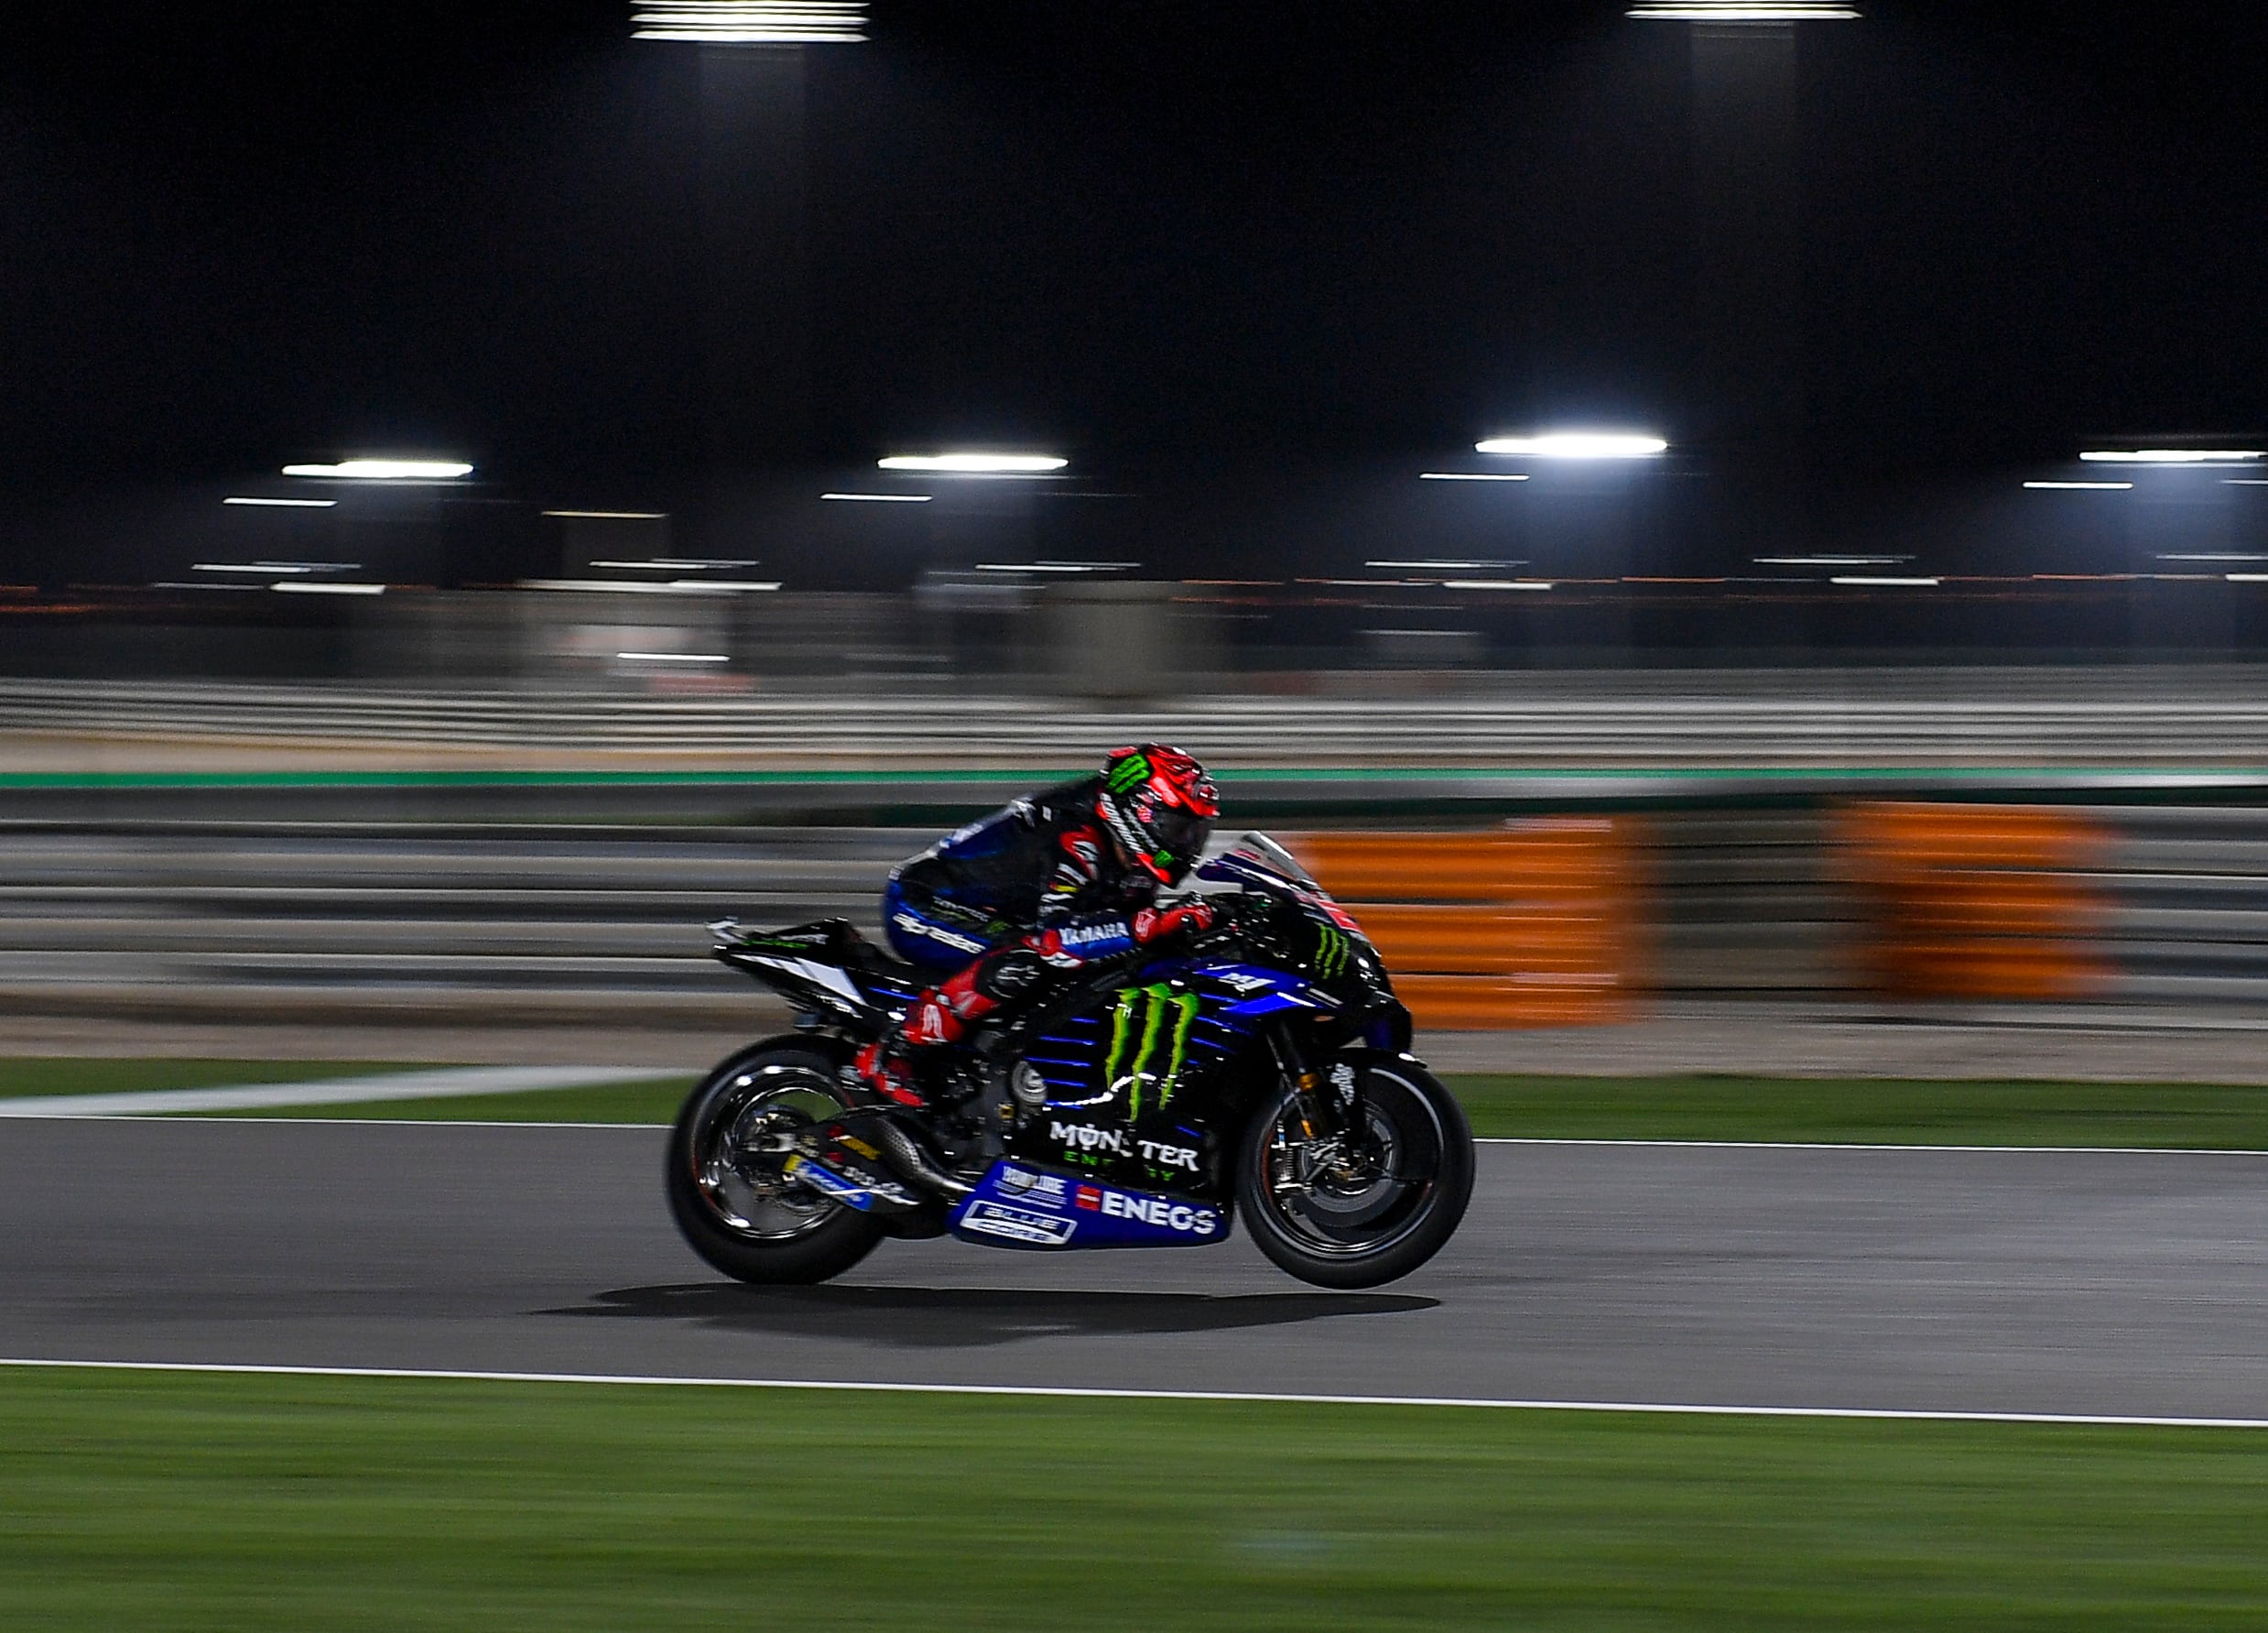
{"x":1260,"y":1070}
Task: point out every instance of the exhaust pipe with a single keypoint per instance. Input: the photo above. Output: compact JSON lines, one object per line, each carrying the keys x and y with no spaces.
{"x":909,"y":1161}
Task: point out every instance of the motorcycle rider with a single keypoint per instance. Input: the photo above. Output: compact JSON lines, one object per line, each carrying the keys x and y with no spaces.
{"x":1014,"y":907}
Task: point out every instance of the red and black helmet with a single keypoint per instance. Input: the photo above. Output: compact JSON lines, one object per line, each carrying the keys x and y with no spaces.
{"x":1159,"y":806}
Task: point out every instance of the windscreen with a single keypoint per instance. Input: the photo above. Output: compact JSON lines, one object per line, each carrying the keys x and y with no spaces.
{"x":1257,"y":850}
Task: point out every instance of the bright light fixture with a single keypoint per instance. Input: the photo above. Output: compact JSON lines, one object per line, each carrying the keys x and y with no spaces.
{"x":1577,"y":445}
{"x":1873,"y":583}
{"x":1702,"y":11}
{"x":975,"y":465}
{"x":613,"y":516}
{"x":675,"y":657}
{"x":2091,"y":487}
{"x":698,"y":563}
{"x":2247,"y":578}
{"x":881,"y":498}
{"x":385,"y":470}
{"x":751,"y":22}
{"x":1471,"y":476}
{"x":1829,"y":561}
{"x":1495,"y":583}
{"x":301,"y":587}
{"x":1055,"y":566}
{"x":2172,"y":456}
{"x":1438,"y":565}
{"x":283,"y":504}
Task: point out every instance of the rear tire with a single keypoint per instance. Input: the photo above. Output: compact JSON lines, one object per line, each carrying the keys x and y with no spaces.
{"x":1367,"y":1221}
{"x":730,"y":1201}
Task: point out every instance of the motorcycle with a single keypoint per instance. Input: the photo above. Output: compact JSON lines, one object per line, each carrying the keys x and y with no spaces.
{"x":1260,"y":1070}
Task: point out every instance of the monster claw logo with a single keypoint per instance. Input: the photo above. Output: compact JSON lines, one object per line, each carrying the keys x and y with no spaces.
{"x":1331,"y":951}
{"x":1130,"y":774}
{"x":1151,"y":1003}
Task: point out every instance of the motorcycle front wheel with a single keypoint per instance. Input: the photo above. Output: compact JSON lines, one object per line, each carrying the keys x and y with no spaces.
{"x":728,"y":1191}
{"x":1366,"y":1207}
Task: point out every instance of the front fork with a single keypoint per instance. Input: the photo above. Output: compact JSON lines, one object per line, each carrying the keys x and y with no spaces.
{"x":1328,"y":1098}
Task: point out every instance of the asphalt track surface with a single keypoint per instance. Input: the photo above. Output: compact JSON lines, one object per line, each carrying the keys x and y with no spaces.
{"x":2015,"y":1281}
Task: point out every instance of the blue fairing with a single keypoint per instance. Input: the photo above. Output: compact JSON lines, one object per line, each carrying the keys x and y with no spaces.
{"x":1069,"y":1056}
{"x":1016,"y":1205}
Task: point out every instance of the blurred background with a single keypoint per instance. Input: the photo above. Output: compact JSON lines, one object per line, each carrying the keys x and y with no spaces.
{"x":1772,"y":502}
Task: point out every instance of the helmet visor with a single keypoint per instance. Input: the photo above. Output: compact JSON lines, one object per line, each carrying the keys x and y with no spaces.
{"x":1179,"y":837}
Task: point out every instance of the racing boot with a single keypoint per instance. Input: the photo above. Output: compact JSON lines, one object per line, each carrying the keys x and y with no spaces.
{"x":901,"y":1066}
{"x":887,"y":1068}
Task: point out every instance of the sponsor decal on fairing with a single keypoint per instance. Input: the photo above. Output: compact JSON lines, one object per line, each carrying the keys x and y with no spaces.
{"x":1019,"y":1206}
{"x":1018,"y":1224}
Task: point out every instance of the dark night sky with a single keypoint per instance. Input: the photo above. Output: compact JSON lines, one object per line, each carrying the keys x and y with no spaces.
{"x":1207,"y":249}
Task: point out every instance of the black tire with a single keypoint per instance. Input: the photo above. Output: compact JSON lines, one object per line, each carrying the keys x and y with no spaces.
{"x":751,"y":1224}
{"x":1374,"y":1222}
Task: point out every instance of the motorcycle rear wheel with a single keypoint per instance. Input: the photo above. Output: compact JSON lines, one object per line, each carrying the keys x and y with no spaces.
{"x":1358,"y":1215}
{"x":731,"y":1199}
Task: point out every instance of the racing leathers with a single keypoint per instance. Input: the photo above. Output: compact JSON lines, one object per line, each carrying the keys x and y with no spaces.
{"x":1006,"y":911}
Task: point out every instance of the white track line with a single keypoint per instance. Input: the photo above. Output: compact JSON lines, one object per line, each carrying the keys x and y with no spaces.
{"x":1651,"y":1408}
{"x":449,"y":1084}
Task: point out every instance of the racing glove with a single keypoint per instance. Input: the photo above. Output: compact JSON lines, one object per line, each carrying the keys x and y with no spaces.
{"x":1154,"y":924}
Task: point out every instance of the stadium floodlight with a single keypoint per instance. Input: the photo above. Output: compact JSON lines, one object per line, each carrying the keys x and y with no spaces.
{"x":975,"y":465}
{"x":1471,"y":476}
{"x":1829,"y":561}
{"x":1577,"y":445}
{"x":1732,"y":11}
{"x":384,"y":470}
{"x":2172,"y":456}
{"x":751,"y":22}
{"x":281,"y":503}
{"x":2084,"y":487}
{"x":1436,"y":564}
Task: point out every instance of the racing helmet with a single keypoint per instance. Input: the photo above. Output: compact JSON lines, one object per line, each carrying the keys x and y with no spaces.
{"x":1159,"y":806}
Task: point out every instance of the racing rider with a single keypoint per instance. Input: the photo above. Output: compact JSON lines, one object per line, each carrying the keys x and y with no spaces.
{"x":1016,"y":906}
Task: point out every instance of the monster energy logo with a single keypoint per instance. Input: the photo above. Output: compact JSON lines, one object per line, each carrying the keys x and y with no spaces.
{"x":1129,"y":774}
{"x":1331,"y":951}
{"x":1146,"y":1006}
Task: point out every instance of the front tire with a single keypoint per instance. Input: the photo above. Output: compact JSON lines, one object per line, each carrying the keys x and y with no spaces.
{"x":1359,"y":1214}
{"x":734,"y":1206}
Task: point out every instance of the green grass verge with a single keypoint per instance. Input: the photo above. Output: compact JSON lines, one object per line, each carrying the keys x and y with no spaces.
{"x":197,"y":1502}
{"x":49,"y":1076}
{"x":1867,"y":1111}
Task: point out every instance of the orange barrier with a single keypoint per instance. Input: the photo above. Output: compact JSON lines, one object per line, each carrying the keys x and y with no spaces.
{"x":1977,"y":901}
{"x":1535,"y":924}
